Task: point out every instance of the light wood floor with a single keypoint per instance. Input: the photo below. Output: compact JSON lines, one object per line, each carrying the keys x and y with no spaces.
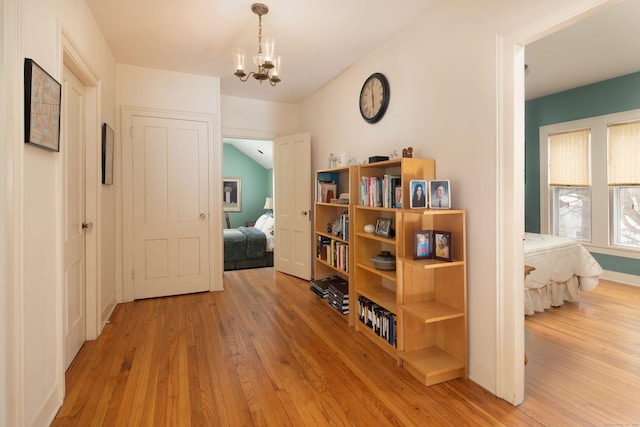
{"x":584,"y":360}
{"x":266,"y":351}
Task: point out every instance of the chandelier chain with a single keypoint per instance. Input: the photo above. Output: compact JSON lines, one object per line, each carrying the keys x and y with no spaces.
{"x":259,"y":34}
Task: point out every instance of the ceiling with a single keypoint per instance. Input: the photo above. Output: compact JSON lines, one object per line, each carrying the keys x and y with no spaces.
{"x":197,"y":37}
{"x":601,"y":47}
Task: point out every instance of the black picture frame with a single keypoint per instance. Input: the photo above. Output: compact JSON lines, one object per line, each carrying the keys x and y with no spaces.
{"x":383,"y":227}
{"x":420,"y":239}
{"x":442,"y":245}
{"x":107,"y":154}
{"x":42,"y":97}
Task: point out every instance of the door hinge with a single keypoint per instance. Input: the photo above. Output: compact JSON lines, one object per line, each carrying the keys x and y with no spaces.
{"x":133,"y":275}
{"x":131,"y":130}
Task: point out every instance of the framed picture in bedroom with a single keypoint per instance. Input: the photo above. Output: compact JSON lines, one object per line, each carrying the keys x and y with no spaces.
{"x":232,"y":194}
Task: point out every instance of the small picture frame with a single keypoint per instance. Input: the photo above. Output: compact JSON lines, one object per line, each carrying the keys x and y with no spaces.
{"x":422,"y":246}
{"x":418,"y":189}
{"x":383,"y":227}
{"x":232,"y":195}
{"x":107,"y":154}
{"x":42,"y":96}
{"x":442,"y":245}
{"x":440,"y":194}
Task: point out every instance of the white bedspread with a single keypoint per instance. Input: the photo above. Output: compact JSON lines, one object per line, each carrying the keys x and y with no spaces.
{"x":562,"y":268}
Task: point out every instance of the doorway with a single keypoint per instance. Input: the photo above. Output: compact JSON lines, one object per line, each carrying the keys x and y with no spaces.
{"x":510,"y":338}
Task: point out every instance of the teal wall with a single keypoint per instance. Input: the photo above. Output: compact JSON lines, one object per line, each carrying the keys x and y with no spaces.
{"x":256,"y":184}
{"x":606,"y":97}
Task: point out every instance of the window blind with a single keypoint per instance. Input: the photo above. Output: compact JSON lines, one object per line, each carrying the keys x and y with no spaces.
{"x":569,"y":158}
{"x":623,"y":162}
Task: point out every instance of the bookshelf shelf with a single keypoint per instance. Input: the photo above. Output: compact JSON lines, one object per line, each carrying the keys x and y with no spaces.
{"x":426,"y":298}
{"x":337,"y":184}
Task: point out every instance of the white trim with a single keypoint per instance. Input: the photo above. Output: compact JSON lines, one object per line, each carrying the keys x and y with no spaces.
{"x":601,"y":213}
{"x":12,"y":159}
{"x":626,"y":279}
{"x":75,"y":61}
{"x":510,"y":158}
{"x":215,"y":192}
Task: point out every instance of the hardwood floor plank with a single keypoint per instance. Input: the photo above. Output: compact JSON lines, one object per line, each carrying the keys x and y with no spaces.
{"x":267,"y":351}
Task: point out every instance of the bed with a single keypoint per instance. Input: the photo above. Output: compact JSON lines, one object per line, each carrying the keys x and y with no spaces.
{"x":562,"y":267}
{"x":249,"y":247}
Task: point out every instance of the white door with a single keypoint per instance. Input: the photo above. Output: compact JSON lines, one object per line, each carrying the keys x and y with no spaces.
{"x":170,"y":207}
{"x":292,"y":196}
{"x":72,"y":152}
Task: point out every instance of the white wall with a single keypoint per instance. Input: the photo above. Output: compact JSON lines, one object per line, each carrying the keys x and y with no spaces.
{"x":246,"y":118}
{"x":445,"y":102}
{"x":35,"y":324}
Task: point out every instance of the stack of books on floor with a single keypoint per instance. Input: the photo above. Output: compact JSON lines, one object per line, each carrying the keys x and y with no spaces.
{"x":320,"y":287}
{"x":338,"y":295}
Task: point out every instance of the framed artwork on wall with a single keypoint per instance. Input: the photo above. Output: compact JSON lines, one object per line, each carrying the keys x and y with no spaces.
{"x":232,"y":194}
{"x":107,"y":154}
{"x":42,"y":95}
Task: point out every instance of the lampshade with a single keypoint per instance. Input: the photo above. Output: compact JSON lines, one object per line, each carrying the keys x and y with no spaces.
{"x":268,"y":203}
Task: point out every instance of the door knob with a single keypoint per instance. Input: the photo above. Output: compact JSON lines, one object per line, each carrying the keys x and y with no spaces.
{"x":87,"y":225}
{"x":202,"y":216}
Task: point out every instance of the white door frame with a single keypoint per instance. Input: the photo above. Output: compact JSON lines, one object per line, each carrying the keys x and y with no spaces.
{"x":510,"y":183}
{"x":73,"y":59}
{"x":215,"y":192}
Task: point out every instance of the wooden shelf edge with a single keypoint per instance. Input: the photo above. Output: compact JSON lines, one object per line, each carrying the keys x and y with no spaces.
{"x":331,"y":236}
{"x":432,"y":365}
{"x":387,"y":274}
{"x":432,"y":263}
{"x":326,"y":264}
{"x":432,"y":311}
{"x":381,"y":296}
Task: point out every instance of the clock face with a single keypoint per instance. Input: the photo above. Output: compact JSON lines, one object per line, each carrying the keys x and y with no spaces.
{"x":374,"y":98}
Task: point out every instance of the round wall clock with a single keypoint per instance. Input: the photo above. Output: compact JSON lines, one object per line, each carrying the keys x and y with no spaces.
{"x":374,"y":97}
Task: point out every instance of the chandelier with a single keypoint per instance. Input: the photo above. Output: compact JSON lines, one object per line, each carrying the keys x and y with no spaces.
{"x":268,"y":64}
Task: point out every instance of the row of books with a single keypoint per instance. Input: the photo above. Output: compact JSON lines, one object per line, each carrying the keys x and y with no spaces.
{"x":335,"y":289}
{"x":385,"y":191}
{"x":327,"y":187}
{"x":333,"y":252}
{"x":379,"y":319}
{"x":340,"y":226}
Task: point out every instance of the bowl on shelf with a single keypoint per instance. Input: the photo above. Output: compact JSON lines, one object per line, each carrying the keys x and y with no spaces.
{"x":384,"y":261}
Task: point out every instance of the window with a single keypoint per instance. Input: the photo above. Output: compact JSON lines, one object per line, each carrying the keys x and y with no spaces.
{"x":623,"y":171}
{"x":570,"y":180}
{"x":591,"y":173}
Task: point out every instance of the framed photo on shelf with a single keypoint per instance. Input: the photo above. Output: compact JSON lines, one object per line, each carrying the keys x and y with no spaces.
{"x":442,"y":245}
{"x":383,"y":227}
{"x":232,"y":196}
{"x":422,"y":246}
{"x":440,"y":194}
{"x":42,"y":95}
{"x":418,"y":194}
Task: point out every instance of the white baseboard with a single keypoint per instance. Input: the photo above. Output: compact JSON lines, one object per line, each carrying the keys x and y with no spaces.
{"x":626,"y":279}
